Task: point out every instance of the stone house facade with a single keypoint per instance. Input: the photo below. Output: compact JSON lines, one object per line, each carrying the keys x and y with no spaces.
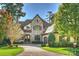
{"x":34,"y":29}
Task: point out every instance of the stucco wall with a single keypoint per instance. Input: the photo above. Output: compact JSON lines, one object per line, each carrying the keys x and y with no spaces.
{"x":36,"y":32}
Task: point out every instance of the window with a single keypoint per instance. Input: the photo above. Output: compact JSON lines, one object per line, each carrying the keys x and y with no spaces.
{"x":37,"y":37}
{"x":25,"y":28}
{"x":37,"y":27}
{"x":37,"y":21}
{"x":28,"y":27}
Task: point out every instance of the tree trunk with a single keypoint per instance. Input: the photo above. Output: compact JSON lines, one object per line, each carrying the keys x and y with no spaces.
{"x":11,"y":43}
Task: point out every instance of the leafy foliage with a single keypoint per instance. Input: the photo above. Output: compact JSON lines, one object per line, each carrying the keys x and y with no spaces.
{"x":8,"y":28}
{"x":67,"y":20}
{"x":51,"y":39}
{"x":15,"y":9}
{"x":14,"y":32}
{"x":3,"y":24}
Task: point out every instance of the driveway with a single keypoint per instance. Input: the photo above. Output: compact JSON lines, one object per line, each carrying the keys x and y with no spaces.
{"x":35,"y":50}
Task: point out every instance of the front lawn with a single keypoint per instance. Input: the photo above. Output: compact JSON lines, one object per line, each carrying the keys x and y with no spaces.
{"x":65,"y":51}
{"x":5,"y":51}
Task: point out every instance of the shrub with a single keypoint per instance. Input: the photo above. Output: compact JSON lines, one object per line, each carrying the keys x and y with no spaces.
{"x":51,"y":40}
{"x":78,"y":42}
{"x":43,"y":45}
{"x":37,"y":42}
{"x":56,"y":45}
{"x":61,"y":43}
{"x":4,"y":42}
{"x":17,"y":42}
{"x":69,"y":44}
{"x":65,"y":43}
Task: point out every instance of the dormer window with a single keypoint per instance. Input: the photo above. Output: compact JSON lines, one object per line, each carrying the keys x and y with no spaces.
{"x":25,"y":28}
{"x":28,"y":27}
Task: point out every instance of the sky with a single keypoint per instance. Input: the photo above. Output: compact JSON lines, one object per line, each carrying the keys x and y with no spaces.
{"x":31,"y":9}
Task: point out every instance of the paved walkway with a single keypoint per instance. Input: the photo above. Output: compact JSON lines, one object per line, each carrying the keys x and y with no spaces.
{"x":35,"y":50}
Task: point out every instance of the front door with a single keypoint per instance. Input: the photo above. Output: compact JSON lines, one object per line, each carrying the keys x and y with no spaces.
{"x":27,"y":39}
{"x":45,"y":40}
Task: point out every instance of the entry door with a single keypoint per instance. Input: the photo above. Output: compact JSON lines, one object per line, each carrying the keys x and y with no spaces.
{"x":45,"y":40}
{"x":27,"y":38}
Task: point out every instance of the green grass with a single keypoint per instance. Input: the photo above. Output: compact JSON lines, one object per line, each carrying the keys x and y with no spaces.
{"x":65,"y":51}
{"x":5,"y":51}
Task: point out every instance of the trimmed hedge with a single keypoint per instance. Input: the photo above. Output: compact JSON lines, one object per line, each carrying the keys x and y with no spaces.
{"x":61,"y":43}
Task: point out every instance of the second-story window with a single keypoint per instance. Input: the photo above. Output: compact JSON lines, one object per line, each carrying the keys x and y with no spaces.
{"x":28,"y":27}
{"x":37,"y":27}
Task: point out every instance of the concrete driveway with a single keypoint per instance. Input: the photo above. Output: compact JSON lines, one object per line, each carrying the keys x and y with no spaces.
{"x":35,"y":50}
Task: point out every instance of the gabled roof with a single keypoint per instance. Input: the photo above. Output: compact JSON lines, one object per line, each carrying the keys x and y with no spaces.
{"x":26,"y":22}
{"x":50,"y":29}
{"x":40,"y":18}
{"x":44,"y":22}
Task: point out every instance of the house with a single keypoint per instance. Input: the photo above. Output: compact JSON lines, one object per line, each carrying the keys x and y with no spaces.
{"x":34,"y":29}
{"x":49,"y":30}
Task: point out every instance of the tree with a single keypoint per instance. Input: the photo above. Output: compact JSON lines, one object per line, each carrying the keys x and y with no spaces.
{"x":12,"y":13}
{"x":3,"y":24}
{"x":14,"y":32}
{"x":67,"y":20}
{"x":51,"y":39}
{"x":50,"y":17}
{"x":15,"y":9}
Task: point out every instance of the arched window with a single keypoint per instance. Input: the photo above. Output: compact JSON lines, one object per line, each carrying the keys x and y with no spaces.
{"x":37,"y":27}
